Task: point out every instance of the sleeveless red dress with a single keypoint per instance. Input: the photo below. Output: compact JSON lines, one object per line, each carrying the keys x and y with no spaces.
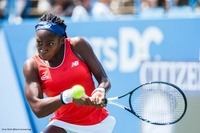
{"x":57,"y":79}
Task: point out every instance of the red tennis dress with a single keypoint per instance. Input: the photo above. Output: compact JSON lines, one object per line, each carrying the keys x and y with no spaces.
{"x":57,"y":79}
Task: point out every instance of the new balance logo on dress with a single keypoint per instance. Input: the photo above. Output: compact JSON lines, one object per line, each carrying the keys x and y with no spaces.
{"x":75,"y":63}
{"x":44,"y":77}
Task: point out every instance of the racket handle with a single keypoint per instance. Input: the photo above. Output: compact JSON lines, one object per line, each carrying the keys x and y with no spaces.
{"x":105,"y":101}
{"x":110,"y":99}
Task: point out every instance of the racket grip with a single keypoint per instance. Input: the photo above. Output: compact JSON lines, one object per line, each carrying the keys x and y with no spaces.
{"x":105,"y":101}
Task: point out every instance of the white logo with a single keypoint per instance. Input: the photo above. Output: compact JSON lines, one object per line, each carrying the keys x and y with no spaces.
{"x":132,"y":49}
{"x":47,"y":26}
{"x":75,"y":63}
{"x":140,"y":44}
{"x":44,"y":77}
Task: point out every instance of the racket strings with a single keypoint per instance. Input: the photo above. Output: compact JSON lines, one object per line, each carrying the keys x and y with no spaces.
{"x":158,"y":103}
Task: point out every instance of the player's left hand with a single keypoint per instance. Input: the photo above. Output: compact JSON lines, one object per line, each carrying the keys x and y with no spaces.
{"x":98,"y":99}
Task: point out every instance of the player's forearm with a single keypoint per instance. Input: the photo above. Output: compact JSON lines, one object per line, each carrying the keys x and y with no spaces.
{"x":46,"y":106}
{"x":105,"y":83}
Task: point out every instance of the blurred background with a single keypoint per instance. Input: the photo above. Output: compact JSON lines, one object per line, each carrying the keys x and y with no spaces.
{"x":137,"y":41}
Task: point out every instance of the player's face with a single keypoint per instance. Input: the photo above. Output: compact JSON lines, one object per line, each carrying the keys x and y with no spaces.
{"x":48,"y":44}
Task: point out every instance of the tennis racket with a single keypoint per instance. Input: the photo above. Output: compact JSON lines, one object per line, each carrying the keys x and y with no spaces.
{"x":158,"y":103}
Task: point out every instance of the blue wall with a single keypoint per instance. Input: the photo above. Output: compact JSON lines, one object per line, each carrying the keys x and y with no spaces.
{"x":133,"y":51}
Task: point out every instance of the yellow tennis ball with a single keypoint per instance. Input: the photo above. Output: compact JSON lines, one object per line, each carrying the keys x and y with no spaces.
{"x":78,"y":91}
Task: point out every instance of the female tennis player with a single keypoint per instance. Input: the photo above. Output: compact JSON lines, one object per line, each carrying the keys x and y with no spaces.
{"x":61,"y":63}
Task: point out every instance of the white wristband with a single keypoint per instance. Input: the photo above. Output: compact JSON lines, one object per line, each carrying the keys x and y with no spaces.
{"x":66,"y":96}
{"x":99,"y":89}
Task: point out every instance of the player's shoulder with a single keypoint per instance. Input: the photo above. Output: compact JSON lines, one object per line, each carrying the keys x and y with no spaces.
{"x":80,"y":47}
{"x":30,"y":64}
{"x":78,"y":41}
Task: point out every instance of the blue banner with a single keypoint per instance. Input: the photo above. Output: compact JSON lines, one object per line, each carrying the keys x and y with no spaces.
{"x":132,"y":51}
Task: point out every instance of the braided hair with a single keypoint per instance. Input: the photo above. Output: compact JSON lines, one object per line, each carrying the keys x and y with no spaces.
{"x":55,"y":19}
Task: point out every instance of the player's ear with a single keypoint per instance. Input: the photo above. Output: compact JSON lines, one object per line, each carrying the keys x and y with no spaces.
{"x":62,"y":40}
